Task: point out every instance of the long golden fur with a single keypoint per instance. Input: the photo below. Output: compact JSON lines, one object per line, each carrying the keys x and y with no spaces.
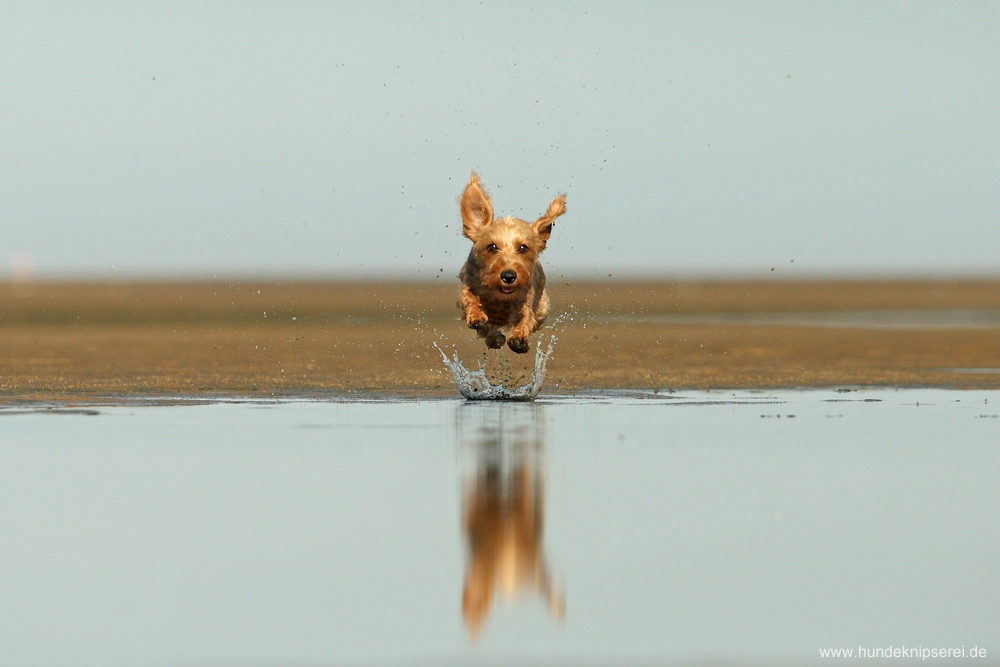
{"x":503,"y":284}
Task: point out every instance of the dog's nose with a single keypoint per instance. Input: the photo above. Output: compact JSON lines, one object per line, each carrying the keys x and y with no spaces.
{"x":508,"y":276}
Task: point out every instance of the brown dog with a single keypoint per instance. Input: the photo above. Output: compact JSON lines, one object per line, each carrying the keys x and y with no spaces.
{"x":503,"y":285}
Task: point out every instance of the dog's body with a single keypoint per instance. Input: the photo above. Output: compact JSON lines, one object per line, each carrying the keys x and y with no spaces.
{"x":503,"y":284}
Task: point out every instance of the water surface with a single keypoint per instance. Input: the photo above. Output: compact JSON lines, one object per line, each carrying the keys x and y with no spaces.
{"x":611,"y":528}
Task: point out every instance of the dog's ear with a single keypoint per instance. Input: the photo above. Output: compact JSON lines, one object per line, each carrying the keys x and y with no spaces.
{"x":543,"y":226}
{"x":477,"y":209}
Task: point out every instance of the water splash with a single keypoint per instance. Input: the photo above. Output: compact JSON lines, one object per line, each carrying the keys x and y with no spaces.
{"x":476,"y":386}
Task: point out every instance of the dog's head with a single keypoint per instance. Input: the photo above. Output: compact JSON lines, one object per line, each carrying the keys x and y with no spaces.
{"x":507,"y":248}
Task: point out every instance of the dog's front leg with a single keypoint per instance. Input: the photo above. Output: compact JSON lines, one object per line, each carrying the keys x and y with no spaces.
{"x":525,"y":326}
{"x":476,"y":318}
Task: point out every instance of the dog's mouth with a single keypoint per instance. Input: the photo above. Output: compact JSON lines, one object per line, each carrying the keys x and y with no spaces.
{"x":507,"y":289}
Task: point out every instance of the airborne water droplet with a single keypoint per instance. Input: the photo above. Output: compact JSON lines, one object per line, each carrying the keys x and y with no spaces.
{"x":475,"y":385}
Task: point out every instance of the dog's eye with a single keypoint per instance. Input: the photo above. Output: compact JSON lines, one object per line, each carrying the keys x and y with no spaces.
{"x":522,"y":248}
{"x":493,"y":247}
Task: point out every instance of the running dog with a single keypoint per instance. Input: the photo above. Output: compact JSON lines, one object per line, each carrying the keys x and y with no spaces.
{"x":503,"y":285}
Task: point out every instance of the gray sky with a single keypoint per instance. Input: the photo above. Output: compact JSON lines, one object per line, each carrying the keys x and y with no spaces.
{"x":319,"y":139}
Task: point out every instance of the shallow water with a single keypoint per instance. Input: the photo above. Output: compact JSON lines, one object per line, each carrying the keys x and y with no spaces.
{"x":612,"y":528}
{"x":853,"y":319}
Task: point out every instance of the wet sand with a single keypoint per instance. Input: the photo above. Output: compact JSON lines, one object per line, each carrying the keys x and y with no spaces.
{"x":66,"y":340}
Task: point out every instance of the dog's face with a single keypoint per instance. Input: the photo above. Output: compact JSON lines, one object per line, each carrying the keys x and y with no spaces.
{"x":507,"y":250}
{"x":504,"y":251}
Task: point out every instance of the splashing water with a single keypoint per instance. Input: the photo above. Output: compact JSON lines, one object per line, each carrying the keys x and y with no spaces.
{"x":476,"y":386}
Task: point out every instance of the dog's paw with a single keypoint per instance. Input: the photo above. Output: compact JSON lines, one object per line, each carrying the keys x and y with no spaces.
{"x":519,"y":345}
{"x":495,"y":340}
{"x":477,"y":324}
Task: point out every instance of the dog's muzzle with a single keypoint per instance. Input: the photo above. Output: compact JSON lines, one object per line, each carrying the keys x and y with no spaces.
{"x":508,"y":277}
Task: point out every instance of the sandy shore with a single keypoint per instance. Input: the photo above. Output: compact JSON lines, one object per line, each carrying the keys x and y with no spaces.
{"x":250,"y":338}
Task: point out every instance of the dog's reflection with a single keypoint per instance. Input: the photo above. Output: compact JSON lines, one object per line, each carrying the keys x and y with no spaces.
{"x":504,"y":507}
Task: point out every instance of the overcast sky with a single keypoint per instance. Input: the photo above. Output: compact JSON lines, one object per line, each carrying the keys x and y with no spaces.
{"x":327,"y":139}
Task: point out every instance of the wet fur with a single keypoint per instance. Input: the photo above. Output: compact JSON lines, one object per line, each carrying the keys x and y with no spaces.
{"x":499,"y":245}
